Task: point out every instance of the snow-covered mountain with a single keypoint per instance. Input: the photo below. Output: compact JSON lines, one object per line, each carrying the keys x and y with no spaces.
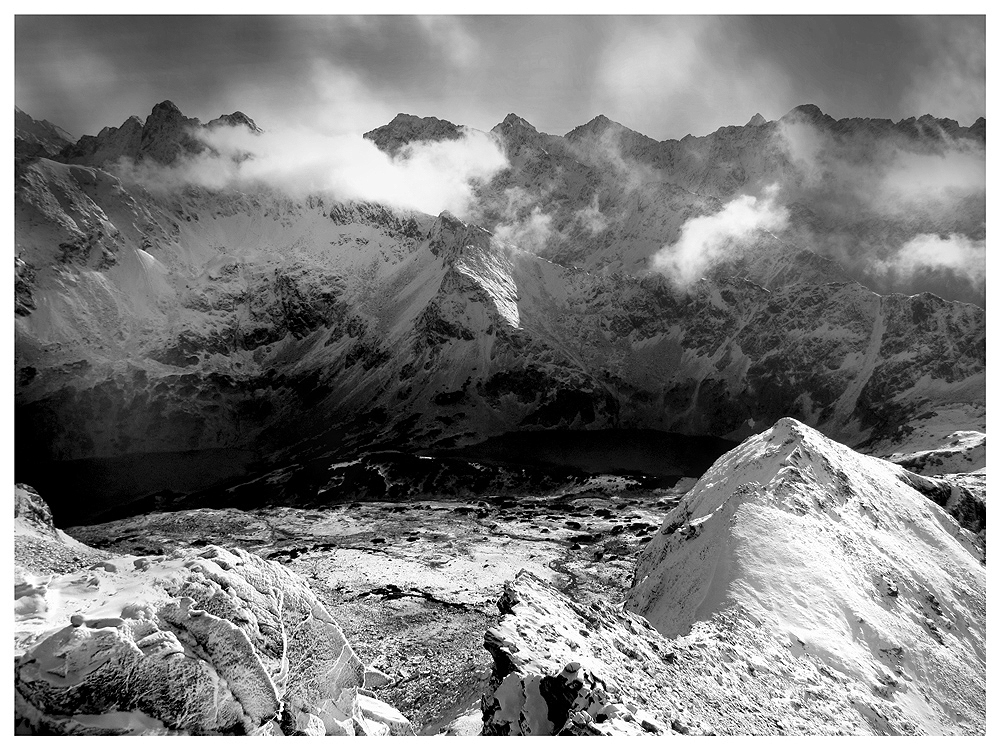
{"x":154,"y":322}
{"x":798,"y":588}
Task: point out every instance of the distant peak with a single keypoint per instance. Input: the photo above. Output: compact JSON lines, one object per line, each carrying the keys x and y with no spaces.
{"x":597,"y":126}
{"x":236,"y":119}
{"x":756,"y":121}
{"x":513,"y":120}
{"x":404,"y":128}
{"x":808,"y":112}
{"x":515,"y":126}
{"x":166,"y":106}
{"x":601,"y":122}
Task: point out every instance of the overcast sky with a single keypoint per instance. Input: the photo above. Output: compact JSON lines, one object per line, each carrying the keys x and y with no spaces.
{"x":665,"y":76}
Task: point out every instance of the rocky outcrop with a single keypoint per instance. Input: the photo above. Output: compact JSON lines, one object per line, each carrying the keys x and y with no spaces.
{"x":564,"y":669}
{"x":206,"y":642}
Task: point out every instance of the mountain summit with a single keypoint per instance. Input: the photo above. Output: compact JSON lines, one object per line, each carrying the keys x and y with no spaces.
{"x":403,"y":129}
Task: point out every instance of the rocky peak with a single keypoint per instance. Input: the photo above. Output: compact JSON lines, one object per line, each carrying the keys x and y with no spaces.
{"x":808,"y":113}
{"x":31,"y":509}
{"x":235,"y":120}
{"x":596,"y":127}
{"x":404,"y":129}
{"x":167,"y":134}
{"x":756,"y":121}
{"x":514,"y":122}
{"x":979,"y":128}
{"x":515,"y":132}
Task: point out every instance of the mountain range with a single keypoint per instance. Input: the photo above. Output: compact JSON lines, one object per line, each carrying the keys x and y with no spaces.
{"x":242,"y":328}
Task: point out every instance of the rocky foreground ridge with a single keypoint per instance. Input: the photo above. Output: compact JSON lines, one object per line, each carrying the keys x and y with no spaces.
{"x":208,"y":642}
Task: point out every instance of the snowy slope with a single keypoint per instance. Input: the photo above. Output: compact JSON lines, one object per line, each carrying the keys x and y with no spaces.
{"x":837,"y":561}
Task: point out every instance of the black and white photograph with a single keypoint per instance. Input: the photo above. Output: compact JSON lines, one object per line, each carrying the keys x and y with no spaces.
{"x":453,"y":374}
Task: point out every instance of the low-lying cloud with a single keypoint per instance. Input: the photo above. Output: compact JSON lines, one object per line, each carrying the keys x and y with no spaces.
{"x":894,"y":209}
{"x":530,"y":233}
{"x":425,"y":176}
{"x":708,"y":240}
{"x":961,"y":255}
{"x":590,"y":217}
{"x":888,"y":176}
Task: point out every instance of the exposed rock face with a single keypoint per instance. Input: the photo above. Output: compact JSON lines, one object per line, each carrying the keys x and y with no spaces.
{"x":31,"y":510}
{"x":197,"y":643}
{"x":799,"y":588}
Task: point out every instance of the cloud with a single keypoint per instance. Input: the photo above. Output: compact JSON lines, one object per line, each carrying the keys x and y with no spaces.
{"x":876,"y":204}
{"x":531,"y":233}
{"x":961,"y":255}
{"x":707,"y":240}
{"x":889,"y":176}
{"x":591,"y":218}
{"x":425,"y":176}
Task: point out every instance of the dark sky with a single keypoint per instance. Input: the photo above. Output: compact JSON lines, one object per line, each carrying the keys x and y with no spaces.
{"x":665,"y":76}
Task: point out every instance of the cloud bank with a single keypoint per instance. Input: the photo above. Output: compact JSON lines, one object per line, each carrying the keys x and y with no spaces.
{"x":956,"y":253}
{"x":425,"y":176}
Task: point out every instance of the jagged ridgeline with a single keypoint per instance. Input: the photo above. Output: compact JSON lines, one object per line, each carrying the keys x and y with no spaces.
{"x":198,"y":333}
